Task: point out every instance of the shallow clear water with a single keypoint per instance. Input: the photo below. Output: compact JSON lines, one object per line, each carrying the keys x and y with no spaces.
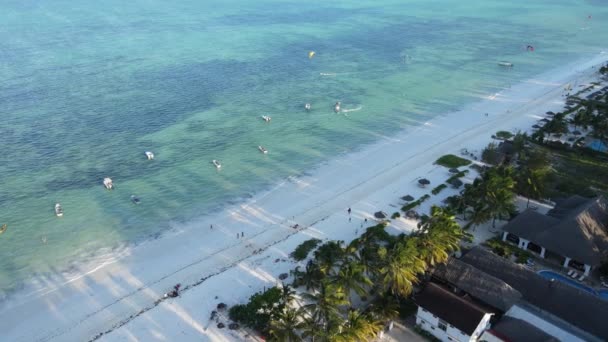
{"x":86,"y":88}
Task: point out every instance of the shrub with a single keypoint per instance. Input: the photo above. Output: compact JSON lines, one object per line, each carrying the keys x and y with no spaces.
{"x":395,"y":215}
{"x":301,"y":252}
{"x":491,"y":155}
{"x":504,"y":135}
{"x":416,"y":203}
{"x":257,"y":313}
{"x":438,"y":189}
{"x":452,"y":161}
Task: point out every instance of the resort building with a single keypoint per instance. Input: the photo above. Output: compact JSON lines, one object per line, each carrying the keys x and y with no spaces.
{"x":450,"y":317}
{"x":559,"y":309}
{"x":510,"y":329}
{"x":574,"y":233}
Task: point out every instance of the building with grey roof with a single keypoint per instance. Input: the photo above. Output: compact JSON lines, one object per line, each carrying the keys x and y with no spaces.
{"x":575,"y":232}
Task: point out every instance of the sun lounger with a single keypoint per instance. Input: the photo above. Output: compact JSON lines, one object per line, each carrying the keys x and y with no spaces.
{"x":582,"y":278}
{"x":604,"y":284}
{"x":574,"y":275}
{"x":570,"y":273}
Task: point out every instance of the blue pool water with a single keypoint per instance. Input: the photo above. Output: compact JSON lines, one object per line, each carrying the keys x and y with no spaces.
{"x":554,"y":275}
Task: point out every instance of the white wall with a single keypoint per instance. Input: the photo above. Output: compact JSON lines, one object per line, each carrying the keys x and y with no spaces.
{"x":430,"y":323}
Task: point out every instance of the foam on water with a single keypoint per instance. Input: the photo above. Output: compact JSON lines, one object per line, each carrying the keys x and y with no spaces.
{"x":85,"y":88}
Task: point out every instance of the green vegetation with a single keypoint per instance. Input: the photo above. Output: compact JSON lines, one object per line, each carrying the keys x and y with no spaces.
{"x":301,"y":252}
{"x":491,"y":155}
{"x":504,"y":135}
{"x":438,"y":189}
{"x":506,"y":250}
{"x":416,"y":203}
{"x":452,"y":161}
{"x":377,"y":268}
{"x":395,"y":215}
{"x":457,"y":176}
{"x":581,"y":172}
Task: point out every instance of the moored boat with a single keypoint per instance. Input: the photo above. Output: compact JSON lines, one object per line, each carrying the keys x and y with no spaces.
{"x":266,"y":118}
{"x":3,"y":228}
{"x":307,"y":106}
{"x":505,"y":64}
{"x":337,"y":107}
{"x":150,"y":155}
{"x":262,"y":149}
{"x":135,"y":199}
{"x":107,"y":182}
{"x":58,"y":210}
{"x":217,"y":164}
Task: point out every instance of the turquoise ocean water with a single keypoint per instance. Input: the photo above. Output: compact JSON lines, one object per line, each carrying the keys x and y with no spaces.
{"x":87,"y":87}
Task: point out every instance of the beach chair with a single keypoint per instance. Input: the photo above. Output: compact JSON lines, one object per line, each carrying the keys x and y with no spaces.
{"x":570,"y":273}
{"x":604,"y":284}
{"x":582,"y":278}
{"x":574,"y":275}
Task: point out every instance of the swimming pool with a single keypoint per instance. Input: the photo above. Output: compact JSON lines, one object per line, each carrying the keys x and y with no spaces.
{"x":603,"y":294}
{"x":564,"y":279}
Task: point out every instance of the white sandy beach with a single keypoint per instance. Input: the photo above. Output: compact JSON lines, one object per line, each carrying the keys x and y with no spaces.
{"x":121,"y":297}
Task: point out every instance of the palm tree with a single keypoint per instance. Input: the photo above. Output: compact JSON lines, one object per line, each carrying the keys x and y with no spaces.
{"x":351,"y":277}
{"x":324,"y":307}
{"x":401,"y":267}
{"x":285,"y":324}
{"x":358,"y":327}
{"x":384,"y":307}
{"x":328,"y":254}
{"x":439,"y":236}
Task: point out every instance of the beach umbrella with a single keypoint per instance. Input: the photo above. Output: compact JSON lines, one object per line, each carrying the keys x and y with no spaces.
{"x":222,"y":306}
{"x":550,"y":113}
{"x":577,"y":132}
{"x":545,"y":120}
{"x":424,"y":181}
{"x":454,"y":170}
{"x":535,"y":126}
{"x":457,"y":183}
{"x":380,"y":215}
{"x":407,"y":198}
{"x":412,"y":214}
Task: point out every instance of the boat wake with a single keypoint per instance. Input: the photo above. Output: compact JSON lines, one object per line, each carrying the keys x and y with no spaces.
{"x":352,"y":110}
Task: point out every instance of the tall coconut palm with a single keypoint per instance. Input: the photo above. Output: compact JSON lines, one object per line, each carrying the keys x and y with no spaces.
{"x":328,"y":255}
{"x":401,"y":267}
{"x":324,"y":307}
{"x":351,"y":278}
{"x":285,"y":324}
{"x":358,"y":327}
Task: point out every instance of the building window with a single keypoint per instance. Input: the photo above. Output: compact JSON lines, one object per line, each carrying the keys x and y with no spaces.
{"x":443,"y":325}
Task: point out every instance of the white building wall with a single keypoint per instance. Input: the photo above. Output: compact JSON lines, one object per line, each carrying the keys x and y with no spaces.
{"x":430,"y":323}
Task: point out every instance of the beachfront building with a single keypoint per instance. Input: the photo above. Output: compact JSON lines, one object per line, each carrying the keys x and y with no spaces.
{"x":450,"y":317}
{"x":558,"y":309}
{"x":510,"y":329}
{"x":574,"y":233}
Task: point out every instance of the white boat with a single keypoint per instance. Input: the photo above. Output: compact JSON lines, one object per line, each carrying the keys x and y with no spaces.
{"x":58,"y":210}
{"x":266,"y":118}
{"x":216,"y":163}
{"x":107,"y":182}
{"x":262,"y":149}
{"x":150,"y":155}
{"x":307,"y":106}
{"x":505,"y":64}
{"x":337,"y":107}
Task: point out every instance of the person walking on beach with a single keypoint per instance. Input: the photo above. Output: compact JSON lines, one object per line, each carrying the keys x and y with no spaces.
{"x":237,"y":235}
{"x":349,"y":210}
{"x":211,"y":226}
{"x":242,"y":234}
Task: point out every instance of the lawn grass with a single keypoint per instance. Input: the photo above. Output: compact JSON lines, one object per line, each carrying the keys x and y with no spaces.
{"x":452,"y":161}
{"x":504,"y":135}
{"x":577,"y":172}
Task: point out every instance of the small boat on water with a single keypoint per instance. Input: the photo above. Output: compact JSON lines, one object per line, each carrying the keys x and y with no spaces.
{"x":217,"y":164}
{"x":3,"y":228}
{"x":337,"y":107}
{"x":150,"y":155}
{"x":307,"y":106}
{"x":135,"y":199}
{"x":505,"y":64}
{"x":107,"y":182}
{"x":266,"y":118}
{"x":58,"y":210}
{"x":262,"y":149}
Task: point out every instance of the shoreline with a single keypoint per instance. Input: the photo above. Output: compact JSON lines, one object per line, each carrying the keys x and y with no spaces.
{"x":369,"y":179}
